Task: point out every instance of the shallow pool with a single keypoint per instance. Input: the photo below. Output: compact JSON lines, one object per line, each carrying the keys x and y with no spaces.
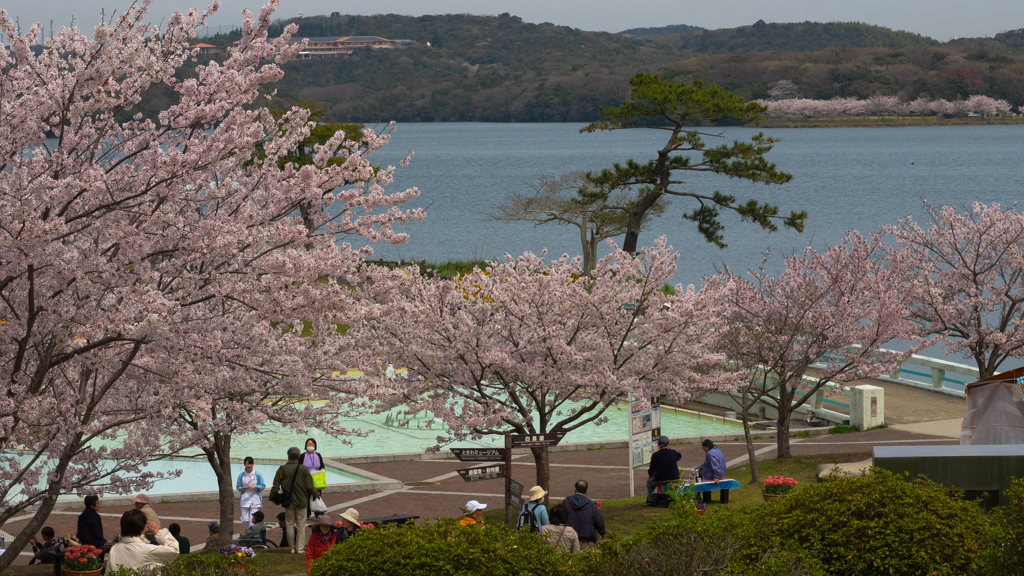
{"x":198,"y":476}
{"x":388,"y":438}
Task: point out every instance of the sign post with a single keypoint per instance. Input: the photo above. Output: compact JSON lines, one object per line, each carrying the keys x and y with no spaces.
{"x":508,"y":480}
{"x":644,"y":428}
{"x":513,"y":489}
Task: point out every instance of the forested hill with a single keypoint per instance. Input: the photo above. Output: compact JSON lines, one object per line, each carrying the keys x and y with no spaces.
{"x":800,"y":37}
{"x":661,"y":31}
{"x":501,"y":69}
{"x":469,"y":68}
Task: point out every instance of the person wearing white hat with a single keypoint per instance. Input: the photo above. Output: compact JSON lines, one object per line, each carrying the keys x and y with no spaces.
{"x":534,"y":514}
{"x":348,"y":526}
{"x":474,"y":511}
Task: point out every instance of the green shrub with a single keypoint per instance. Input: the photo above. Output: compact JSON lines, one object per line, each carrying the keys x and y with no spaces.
{"x":443,"y":548}
{"x":843,"y":429}
{"x":881,"y":523}
{"x":193,"y":565}
{"x":1006,"y":556}
{"x":694,"y":545}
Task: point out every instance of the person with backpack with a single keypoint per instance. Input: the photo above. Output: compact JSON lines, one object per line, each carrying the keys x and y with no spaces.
{"x":292,"y":487}
{"x":534,"y":514}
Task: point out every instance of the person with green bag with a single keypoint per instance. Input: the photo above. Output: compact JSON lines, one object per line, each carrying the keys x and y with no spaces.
{"x":315,"y":463}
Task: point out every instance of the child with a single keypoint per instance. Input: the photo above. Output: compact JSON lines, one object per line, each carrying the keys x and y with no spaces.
{"x":320,"y":541}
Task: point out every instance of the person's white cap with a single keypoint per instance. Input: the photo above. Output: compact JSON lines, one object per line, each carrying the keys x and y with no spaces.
{"x":473,"y":506}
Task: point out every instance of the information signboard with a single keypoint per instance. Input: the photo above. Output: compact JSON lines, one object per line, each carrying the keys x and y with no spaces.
{"x":479,"y":454}
{"x":482,"y":473}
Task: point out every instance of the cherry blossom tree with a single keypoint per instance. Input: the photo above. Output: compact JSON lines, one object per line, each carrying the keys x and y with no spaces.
{"x":803,"y":108}
{"x":153,"y":264}
{"x":528,"y":347}
{"x":970,"y":263}
{"x":837,"y":308}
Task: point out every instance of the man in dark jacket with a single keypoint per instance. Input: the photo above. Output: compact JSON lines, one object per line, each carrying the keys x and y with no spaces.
{"x":295,"y":479}
{"x":584,"y":516}
{"x":90,"y":527}
{"x":663,"y":469}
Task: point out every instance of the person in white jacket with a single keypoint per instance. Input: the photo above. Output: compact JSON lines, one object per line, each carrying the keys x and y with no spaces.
{"x":135,"y":551}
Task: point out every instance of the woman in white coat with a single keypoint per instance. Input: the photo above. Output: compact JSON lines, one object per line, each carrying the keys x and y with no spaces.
{"x":250,"y":487}
{"x":135,"y":551}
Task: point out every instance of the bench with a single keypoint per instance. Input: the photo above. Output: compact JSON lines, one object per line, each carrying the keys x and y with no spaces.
{"x":393,"y":519}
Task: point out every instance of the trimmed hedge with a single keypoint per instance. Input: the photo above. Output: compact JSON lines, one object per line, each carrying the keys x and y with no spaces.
{"x":881,"y":523}
{"x":444,"y":547}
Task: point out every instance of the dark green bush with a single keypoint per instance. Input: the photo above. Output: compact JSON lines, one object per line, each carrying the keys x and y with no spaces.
{"x":193,"y":565}
{"x":694,"y":545}
{"x":1006,"y":556}
{"x":443,"y":548}
{"x":881,"y":523}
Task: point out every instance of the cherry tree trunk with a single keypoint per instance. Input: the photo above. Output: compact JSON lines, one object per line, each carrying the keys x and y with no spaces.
{"x":542,"y":458}
{"x":42,"y":513}
{"x":219,"y":456}
{"x":754,"y":477}
{"x":782,"y":430}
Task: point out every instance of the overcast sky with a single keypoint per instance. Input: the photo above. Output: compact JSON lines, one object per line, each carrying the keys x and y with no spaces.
{"x":940,"y":19}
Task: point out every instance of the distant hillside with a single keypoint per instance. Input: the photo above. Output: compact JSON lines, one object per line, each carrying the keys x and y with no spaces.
{"x":675,"y":29}
{"x":1004,"y":43}
{"x":800,"y":37}
{"x":475,"y":68}
{"x":501,"y":69}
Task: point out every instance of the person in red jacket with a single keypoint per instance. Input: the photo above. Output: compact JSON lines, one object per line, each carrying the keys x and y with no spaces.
{"x":320,"y":541}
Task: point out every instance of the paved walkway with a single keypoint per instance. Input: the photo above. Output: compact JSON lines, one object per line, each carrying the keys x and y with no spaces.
{"x":444,"y":491}
{"x":433,"y":488}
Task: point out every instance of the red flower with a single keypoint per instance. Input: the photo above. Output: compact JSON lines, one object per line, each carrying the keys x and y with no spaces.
{"x":82,"y":560}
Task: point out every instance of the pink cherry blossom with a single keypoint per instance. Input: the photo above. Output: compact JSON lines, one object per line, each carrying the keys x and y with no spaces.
{"x":530,"y":347}
{"x":969,"y":263}
{"x":165,"y":283}
{"x":836,"y":308}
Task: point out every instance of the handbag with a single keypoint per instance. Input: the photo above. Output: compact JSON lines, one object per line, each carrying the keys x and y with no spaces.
{"x":320,"y":480}
{"x":284,"y":497}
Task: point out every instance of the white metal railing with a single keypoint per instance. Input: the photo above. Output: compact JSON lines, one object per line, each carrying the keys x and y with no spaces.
{"x":937,"y":373}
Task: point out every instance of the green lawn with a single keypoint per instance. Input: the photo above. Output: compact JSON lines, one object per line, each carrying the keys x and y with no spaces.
{"x":623,"y":516}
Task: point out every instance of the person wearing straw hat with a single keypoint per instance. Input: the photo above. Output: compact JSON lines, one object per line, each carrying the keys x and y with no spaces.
{"x":321,"y":540}
{"x":474,"y":512}
{"x":348,"y":526}
{"x":534,"y":514}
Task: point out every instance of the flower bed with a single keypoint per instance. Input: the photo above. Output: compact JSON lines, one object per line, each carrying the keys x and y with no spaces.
{"x":778,"y":485}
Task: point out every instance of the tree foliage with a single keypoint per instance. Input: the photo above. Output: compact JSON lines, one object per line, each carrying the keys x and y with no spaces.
{"x":969,"y":263}
{"x":155,"y":267}
{"x":528,"y":347}
{"x":835,"y":309}
{"x":677,"y":108}
{"x":572,"y":200}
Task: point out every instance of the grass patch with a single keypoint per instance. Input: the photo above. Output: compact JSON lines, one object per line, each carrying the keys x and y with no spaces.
{"x":624,"y":516}
{"x":801,"y":434}
{"x":843,"y":429}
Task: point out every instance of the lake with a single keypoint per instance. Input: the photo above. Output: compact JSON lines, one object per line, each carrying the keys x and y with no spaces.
{"x":846,"y":178}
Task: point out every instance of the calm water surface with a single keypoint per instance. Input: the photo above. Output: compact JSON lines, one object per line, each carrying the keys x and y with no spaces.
{"x":847,"y":178}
